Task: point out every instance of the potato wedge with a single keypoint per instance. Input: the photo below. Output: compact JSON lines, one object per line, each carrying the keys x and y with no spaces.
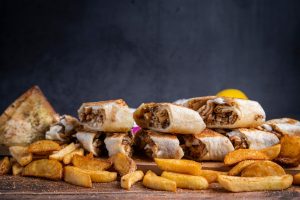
{"x":61,"y":153}
{"x":210,"y":175}
{"x":21,"y":154}
{"x":290,"y":151}
{"x":237,"y":169}
{"x":76,"y":176}
{"x":243,"y":154}
{"x":5,"y":166}
{"x":186,"y":181}
{"x":123,"y":164}
{"x":43,"y":147}
{"x":272,"y":152}
{"x":101,"y":176}
{"x":44,"y":168}
{"x":263,"y":168}
{"x":129,"y":179}
{"x":296,"y":179}
{"x":17,"y":169}
{"x":152,"y":181}
{"x":248,"y":184}
{"x":95,"y":164}
{"x":68,"y":157}
{"x":179,"y":166}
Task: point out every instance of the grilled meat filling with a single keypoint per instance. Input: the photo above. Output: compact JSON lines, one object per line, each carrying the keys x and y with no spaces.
{"x":93,"y":116}
{"x":156,"y":117}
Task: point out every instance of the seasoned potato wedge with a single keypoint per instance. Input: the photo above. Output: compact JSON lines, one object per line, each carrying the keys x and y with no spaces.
{"x":5,"y":166}
{"x":272,"y":152}
{"x":76,"y":176}
{"x":43,"y":147}
{"x":21,"y":154}
{"x":296,"y":179}
{"x":243,"y":154}
{"x":248,"y":184}
{"x":237,"y":169}
{"x":59,"y":155}
{"x":129,"y":179}
{"x":210,"y":175}
{"x":179,"y":166}
{"x":263,"y":168}
{"x":123,"y":164}
{"x":290,"y":151}
{"x":186,"y":181}
{"x":17,"y":169}
{"x":88,"y":163}
{"x":152,"y":181}
{"x":44,"y":168}
{"x":101,"y":176}
{"x":68,"y":157}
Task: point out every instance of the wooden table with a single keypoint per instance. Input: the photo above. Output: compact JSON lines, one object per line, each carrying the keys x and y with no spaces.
{"x":15,"y":187}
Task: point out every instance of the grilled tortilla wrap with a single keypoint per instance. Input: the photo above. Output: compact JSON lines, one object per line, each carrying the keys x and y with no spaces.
{"x":207,"y":145}
{"x":244,"y":138}
{"x":158,"y":145}
{"x":168,"y":118}
{"x":282,"y":126}
{"x":91,"y":141}
{"x":118,"y":143}
{"x":107,"y":116}
{"x":223,"y":112}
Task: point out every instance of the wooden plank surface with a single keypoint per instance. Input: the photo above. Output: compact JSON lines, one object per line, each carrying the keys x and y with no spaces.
{"x":15,"y":187}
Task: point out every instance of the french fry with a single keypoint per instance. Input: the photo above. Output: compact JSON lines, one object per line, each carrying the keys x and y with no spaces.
{"x":129,"y":179}
{"x":68,"y":157}
{"x":248,"y":184}
{"x":88,"y":163}
{"x":21,"y":154}
{"x":290,"y":151}
{"x":187,"y":181}
{"x":210,"y":175}
{"x":44,"y":168}
{"x":243,"y":154}
{"x":123,"y":164}
{"x":179,"y":166}
{"x":75,"y":176}
{"x":152,"y":181}
{"x":5,"y":166}
{"x":17,"y":169}
{"x":272,"y":152}
{"x":59,"y":155}
{"x":43,"y":147}
{"x":237,"y":169}
{"x":263,"y":168}
{"x":296,"y":179}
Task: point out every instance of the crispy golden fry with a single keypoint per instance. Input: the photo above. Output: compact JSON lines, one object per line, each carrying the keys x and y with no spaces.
{"x":21,"y":154}
{"x":248,"y":184}
{"x":123,"y":164}
{"x":17,"y":169}
{"x":44,"y":168}
{"x":290,"y":151}
{"x":61,"y":153}
{"x":88,"y":163}
{"x":129,"y":179}
{"x":187,"y":181}
{"x":296,"y":179}
{"x":237,"y":169}
{"x":210,"y":175}
{"x":101,"y":176}
{"x":263,"y":168}
{"x":5,"y":166}
{"x":243,"y":154}
{"x":68,"y":157}
{"x":90,"y":155}
{"x":179,"y":166}
{"x":43,"y":147}
{"x":272,"y":152}
{"x":76,"y":176}
{"x":151,"y":180}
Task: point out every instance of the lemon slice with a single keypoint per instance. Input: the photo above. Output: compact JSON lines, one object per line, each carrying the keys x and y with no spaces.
{"x":234,"y":93}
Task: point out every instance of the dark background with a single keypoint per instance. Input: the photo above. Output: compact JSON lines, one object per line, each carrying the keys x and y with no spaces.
{"x":154,"y":50}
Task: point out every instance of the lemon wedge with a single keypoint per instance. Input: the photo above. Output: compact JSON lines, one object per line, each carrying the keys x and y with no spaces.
{"x":234,"y":93}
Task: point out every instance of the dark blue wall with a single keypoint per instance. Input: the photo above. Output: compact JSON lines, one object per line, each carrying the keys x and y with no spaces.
{"x":155,"y":50}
